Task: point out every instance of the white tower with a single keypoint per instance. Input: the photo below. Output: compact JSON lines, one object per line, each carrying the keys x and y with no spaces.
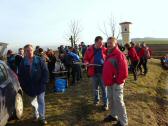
{"x":125,"y":31}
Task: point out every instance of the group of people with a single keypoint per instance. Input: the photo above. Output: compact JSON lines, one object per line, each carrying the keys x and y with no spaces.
{"x":71,"y":58}
{"x":110,"y":71}
{"x":106,"y":65}
{"x":14,"y":59}
{"x":138,"y":56}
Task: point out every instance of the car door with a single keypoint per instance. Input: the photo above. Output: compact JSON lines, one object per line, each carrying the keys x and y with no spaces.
{"x":3,"y":82}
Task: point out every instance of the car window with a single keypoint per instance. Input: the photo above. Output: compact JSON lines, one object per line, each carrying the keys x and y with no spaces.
{"x":3,"y":74}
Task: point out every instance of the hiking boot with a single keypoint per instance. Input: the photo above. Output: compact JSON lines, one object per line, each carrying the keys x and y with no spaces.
{"x":145,"y":73}
{"x":141,"y":73}
{"x":135,"y":78}
{"x":35,"y":119}
{"x":96,"y":103}
{"x":43,"y":122}
{"x":118,"y":124}
{"x":110,"y":118}
{"x":105,"y":107}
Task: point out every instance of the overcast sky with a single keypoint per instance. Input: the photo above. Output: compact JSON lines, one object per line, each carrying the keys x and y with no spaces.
{"x":46,"y":22}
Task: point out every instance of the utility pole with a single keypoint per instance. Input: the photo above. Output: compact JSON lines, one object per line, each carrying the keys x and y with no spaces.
{"x":71,"y":39}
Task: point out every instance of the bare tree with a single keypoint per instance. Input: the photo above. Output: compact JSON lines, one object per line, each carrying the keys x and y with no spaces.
{"x":74,"y":32}
{"x":110,"y":28}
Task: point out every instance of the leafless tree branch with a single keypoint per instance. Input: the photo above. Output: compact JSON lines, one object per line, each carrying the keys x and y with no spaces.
{"x":74,"y":32}
{"x":112,"y":29}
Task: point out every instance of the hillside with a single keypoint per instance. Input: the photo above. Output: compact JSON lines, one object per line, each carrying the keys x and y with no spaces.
{"x":146,"y":101}
{"x":151,"y":40}
{"x":159,"y":46}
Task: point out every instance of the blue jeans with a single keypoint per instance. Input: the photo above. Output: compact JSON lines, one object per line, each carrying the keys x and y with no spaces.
{"x":98,"y":82}
{"x":38,"y":104}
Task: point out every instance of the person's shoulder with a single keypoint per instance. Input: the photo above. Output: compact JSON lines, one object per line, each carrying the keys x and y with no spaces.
{"x":72,"y":53}
{"x":104,"y":48}
{"x":143,"y":48}
{"x":13,"y":56}
{"x":119,"y":53}
{"x":90,"y":48}
{"x":85,"y":47}
{"x":133,"y":49}
{"x":39,"y":59}
{"x":19,"y":56}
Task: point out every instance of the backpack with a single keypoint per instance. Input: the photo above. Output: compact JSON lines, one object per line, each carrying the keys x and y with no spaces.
{"x":147,"y":53}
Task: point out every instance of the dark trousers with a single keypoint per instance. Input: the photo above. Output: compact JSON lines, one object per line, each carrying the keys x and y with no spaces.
{"x":143,"y":62}
{"x":68,"y":68}
{"x":51,"y":69}
{"x":145,"y":66}
{"x":76,"y":73}
{"x":134,"y":65}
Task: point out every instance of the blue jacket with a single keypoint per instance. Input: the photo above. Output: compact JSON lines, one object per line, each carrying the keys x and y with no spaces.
{"x":33,"y":82}
{"x":165,"y":60}
{"x":75,"y":57}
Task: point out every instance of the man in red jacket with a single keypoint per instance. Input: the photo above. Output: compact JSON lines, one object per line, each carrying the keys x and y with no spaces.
{"x":115,"y":72}
{"x":134,"y":58}
{"x":96,"y":54}
{"x":144,"y":54}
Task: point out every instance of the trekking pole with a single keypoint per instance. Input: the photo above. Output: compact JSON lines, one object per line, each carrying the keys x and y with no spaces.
{"x":87,"y":64}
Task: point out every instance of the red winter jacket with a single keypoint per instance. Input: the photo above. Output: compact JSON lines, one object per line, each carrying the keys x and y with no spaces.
{"x":145,"y":52}
{"x":89,"y":58}
{"x":133,"y":54}
{"x":141,"y":53}
{"x":115,"y":68}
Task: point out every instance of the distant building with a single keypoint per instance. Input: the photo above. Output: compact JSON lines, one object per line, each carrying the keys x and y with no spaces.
{"x":125,"y":31}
